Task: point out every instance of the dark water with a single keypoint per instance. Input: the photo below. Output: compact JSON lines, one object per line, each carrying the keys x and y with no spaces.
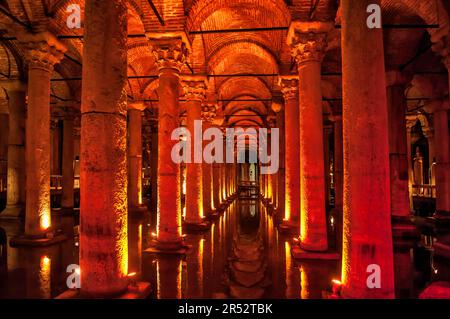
{"x":241,"y":256}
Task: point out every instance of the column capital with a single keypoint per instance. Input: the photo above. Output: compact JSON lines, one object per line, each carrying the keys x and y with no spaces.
{"x":308,"y":40}
{"x":209,"y":112}
{"x":289,"y":86}
{"x":138,"y":106}
{"x":277,"y":107}
{"x":194,"y":88}
{"x":170,"y":51}
{"x":42,"y":50}
{"x":397,"y":78}
{"x":13,"y":85}
{"x":410,"y":122}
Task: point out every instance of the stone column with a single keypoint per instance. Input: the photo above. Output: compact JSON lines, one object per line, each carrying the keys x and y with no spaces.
{"x":195,"y":93}
{"x":289,"y":88}
{"x":170,"y":55}
{"x":336,"y":118}
{"x":216,"y":186}
{"x":279,"y":110}
{"x":367,"y":208}
{"x":15,"y":196}
{"x":4,"y":132}
{"x":103,"y":153}
{"x":67,"y":200}
{"x":400,"y":208}
{"x":42,"y":51}
{"x":308,"y":44}
{"x":409,"y":158}
{"x":135,"y":157}
{"x":154,"y":168}
{"x":442,"y":141}
{"x":429,"y":134}
{"x":207,"y":115}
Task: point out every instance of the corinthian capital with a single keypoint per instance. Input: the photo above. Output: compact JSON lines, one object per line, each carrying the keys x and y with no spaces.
{"x":289,"y":86}
{"x":170,"y":52}
{"x":209,"y":112}
{"x":308,"y":40}
{"x":194,"y":88}
{"x":42,"y":50}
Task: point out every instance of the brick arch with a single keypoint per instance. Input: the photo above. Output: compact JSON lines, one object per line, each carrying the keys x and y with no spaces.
{"x":201,"y":9}
{"x":243,"y":86}
{"x":10,"y":61}
{"x":61,"y":4}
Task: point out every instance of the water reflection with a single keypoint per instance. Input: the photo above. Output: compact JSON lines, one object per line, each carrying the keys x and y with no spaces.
{"x":241,"y":256}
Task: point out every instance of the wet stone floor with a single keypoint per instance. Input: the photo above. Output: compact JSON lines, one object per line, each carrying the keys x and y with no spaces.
{"x":241,"y":256}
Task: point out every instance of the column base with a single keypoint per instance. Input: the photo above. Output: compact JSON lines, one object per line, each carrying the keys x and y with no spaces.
{"x":213,"y":215}
{"x":194,"y":227}
{"x":442,"y":219}
{"x":403,"y":227}
{"x":67,"y":211}
{"x":288,"y":227}
{"x":12,"y":212}
{"x":37,"y":241}
{"x":167,"y":248}
{"x":299,"y":253}
{"x":442,"y":248}
{"x":137,"y":211}
{"x":138,"y":290}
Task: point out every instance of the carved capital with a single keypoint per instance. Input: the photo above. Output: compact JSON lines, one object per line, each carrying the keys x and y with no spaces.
{"x":139,"y":106}
{"x":308,"y":41}
{"x":169,"y":53}
{"x":289,"y":86}
{"x":194,"y":88}
{"x":209,"y":112}
{"x":42,"y":50}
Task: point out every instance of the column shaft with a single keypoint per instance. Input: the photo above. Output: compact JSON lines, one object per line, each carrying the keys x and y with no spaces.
{"x":367,"y":218}
{"x":103,"y":153}
{"x":135,"y":158}
{"x":67,"y":199}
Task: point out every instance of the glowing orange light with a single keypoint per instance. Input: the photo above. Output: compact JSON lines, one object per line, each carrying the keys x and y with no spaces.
{"x":336,"y":282}
{"x":45,"y":220}
{"x":154,"y":234}
{"x":131,"y":274}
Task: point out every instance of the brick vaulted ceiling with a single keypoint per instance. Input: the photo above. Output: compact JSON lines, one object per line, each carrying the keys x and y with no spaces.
{"x":232,"y":53}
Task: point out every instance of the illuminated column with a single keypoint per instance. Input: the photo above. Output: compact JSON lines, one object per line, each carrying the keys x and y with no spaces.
{"x":279,"y":110}
{"x":442,"y":141}
{"x":170,"y":56}
{"x":67,"y":199}
{"x":367,"y":209}
{"x":15,"y":193}
{"x":195,"y":94}
{"x":308,"y":44}
{"x":208,"y":114}
{"x":409,"y":125}
{"x":429,"y":134}
{"x":216,"y":186}
{"x":397,"y":107}
{"x":154,"y":167}
{"x":135,"y":156}
{"x":43,"y":51}
{"x":336,"y":118}
{"x":289,"y":88}
{"x":103,"y":153}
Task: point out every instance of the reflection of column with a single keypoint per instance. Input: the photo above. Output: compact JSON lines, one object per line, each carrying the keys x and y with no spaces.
{"x":367,"y":238}
{"x":170,"y":55}
{"x":103,"y":156}
{"x":43,"y":52}
{"x":67,"y":199}
{"x":194,"y":92}
{"x":15,"y":196}
{"x":308,"y":43}
{"x":289,"y":87}
{"x":397,"y":107}
{"x":135,"y":156}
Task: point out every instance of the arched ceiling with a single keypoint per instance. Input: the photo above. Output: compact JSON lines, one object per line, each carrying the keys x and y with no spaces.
{"x":240,"y":64}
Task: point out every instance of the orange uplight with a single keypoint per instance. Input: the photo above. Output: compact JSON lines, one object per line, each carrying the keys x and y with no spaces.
{"x":336,"y":282}
{"x":131,"y":274}
{"x":336,"y":288}
{"x":45,"y":220}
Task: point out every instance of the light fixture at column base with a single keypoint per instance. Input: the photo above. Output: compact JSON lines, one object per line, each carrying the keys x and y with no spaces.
{"x":12,"y":212}
{"x":37,"y":241}
{"x":300,"y":254}
{"x":138,"y":290}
